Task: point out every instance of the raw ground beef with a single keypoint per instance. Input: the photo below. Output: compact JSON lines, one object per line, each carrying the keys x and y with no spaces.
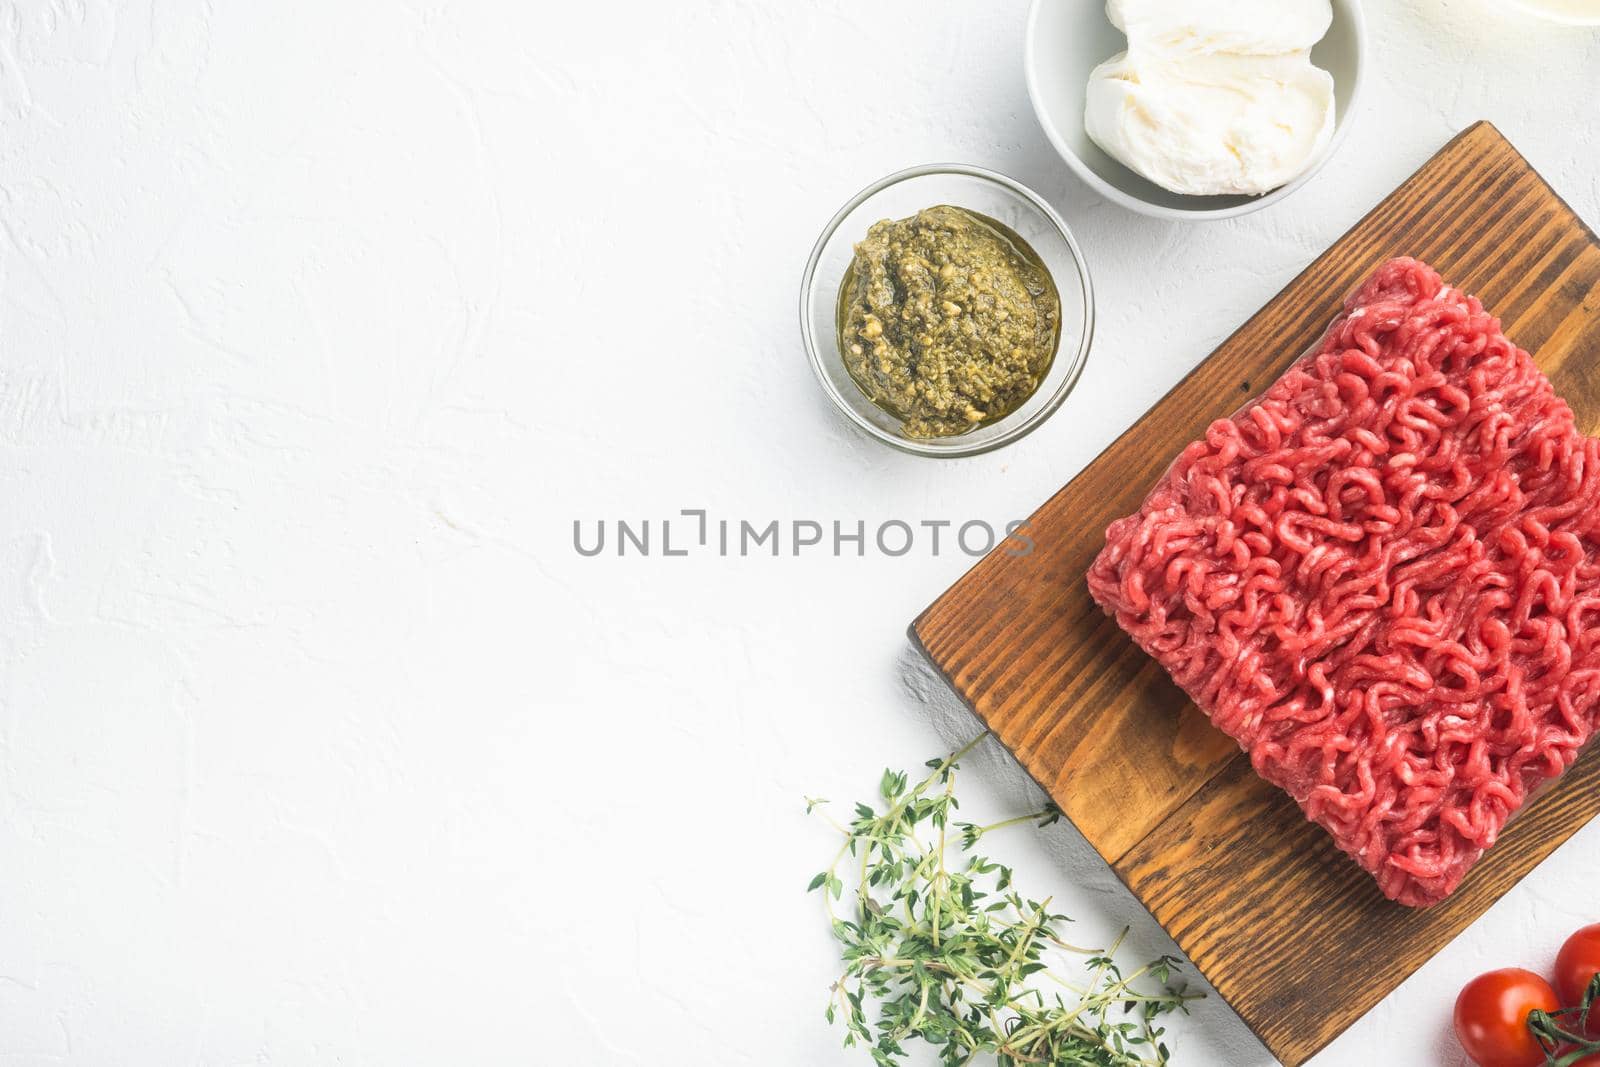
{"x":1381,"y":579}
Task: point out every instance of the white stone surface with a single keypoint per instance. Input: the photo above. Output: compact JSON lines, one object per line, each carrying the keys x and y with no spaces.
{"x":319,"y":743}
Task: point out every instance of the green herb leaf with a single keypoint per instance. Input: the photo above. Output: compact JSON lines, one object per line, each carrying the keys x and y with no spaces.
{"x":938,"y":947}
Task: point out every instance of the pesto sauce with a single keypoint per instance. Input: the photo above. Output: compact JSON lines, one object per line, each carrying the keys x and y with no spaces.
{"x":948,"y":320}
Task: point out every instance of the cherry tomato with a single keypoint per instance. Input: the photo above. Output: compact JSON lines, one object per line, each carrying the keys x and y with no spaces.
{"x":1492,"y":1017}
{"x":1576,"y":965}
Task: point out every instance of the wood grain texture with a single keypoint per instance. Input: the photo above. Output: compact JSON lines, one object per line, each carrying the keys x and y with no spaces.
{"x":1256,"y":896}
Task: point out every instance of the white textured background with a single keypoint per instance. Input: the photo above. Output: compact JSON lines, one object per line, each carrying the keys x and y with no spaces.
{"x":318,"y":742}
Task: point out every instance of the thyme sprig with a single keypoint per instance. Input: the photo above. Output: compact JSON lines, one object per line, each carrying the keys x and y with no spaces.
{"x":939,"y":946}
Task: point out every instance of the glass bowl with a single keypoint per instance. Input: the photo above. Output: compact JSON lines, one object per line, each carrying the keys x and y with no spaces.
{"x":899,"y":196}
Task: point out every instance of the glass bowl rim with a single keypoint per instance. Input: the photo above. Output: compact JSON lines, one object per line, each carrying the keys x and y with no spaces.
{"x":1063,"y":388}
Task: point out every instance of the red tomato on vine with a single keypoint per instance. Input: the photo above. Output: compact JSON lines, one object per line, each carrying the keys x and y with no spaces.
{"x":1492,"y":1017}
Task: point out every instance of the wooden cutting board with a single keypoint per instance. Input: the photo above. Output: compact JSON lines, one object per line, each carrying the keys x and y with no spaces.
{"x":1290,"y":932}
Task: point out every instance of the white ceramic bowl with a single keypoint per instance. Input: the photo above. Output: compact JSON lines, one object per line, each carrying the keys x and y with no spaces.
{"x":1069,"y":38}
{"x":1571,"y":12}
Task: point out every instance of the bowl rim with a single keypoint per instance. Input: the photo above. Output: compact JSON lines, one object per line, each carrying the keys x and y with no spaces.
{"x":1014,"y":433}
{"x":1555,"y":17}
{"x":1110,"y":192}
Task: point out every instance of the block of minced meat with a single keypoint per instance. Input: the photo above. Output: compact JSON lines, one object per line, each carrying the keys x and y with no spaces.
{"x":1381,"y":579}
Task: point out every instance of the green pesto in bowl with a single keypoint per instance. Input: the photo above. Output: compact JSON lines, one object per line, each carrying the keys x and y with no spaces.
{"x":947,"y":320}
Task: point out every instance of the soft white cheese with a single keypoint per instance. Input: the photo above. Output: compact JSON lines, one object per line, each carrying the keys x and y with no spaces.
{"x":1241,"y":27}
{"x":1214,"y":96}
{"x":1211,"y":124}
